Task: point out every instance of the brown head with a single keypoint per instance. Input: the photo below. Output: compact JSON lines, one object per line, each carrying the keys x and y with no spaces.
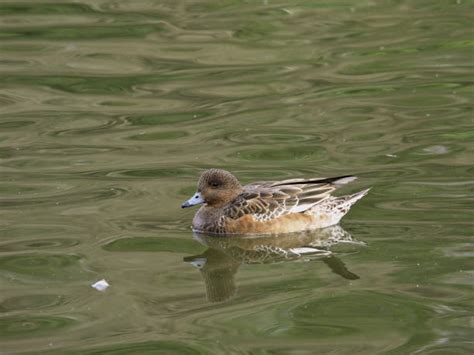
{"x":215,"y":187}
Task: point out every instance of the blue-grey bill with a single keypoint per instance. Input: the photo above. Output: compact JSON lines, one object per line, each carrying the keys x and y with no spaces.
{"x":195,"y":200}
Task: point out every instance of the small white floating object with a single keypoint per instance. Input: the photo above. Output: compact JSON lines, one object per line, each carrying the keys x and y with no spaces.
{"x":101,"y":285}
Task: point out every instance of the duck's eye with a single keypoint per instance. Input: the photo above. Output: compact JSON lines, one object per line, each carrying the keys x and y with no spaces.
{"x":214,"y":184}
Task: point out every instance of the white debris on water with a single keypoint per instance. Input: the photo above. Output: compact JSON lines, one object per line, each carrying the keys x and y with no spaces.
{"x":101,"y":285}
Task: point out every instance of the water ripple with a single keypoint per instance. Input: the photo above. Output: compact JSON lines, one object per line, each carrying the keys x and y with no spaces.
{"x":14,"y":327}
{"x":35,"y":267}
{"x":73,"y":197}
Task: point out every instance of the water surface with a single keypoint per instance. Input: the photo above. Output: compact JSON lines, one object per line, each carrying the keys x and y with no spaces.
{"x":110,"y":110}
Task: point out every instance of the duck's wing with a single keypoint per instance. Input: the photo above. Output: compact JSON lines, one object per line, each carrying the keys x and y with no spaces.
{"x":268,"y":200}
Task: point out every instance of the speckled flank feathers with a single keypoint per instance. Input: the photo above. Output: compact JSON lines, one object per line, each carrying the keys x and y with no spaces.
{"x":333,"y":209}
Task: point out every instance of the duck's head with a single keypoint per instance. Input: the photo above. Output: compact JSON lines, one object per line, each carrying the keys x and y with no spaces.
{"x":215,"y":188}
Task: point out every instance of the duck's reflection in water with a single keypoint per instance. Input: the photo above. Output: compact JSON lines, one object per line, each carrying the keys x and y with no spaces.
{"x":219,"y":263}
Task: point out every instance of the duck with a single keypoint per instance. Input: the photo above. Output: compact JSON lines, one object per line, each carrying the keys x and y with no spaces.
{"x":268,"y":207}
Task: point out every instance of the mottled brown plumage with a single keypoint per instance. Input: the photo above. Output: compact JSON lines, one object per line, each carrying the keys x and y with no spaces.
{"x":269,"y":206}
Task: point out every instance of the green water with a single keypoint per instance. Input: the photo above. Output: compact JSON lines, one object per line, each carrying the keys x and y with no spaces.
{"x":109,"y":111}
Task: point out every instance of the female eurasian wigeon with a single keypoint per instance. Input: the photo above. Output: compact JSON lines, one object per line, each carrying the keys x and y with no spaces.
{"x":268,"y":207}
